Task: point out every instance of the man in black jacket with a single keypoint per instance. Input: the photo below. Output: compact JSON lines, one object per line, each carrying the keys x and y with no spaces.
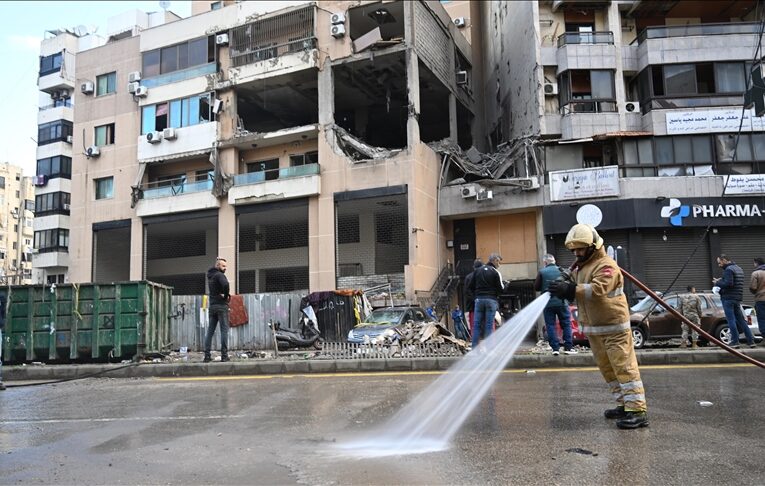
{"x":218,"y":308}
{"x":486,"y":286}
{"x":732,"y":293}
{"x":469,"y":304}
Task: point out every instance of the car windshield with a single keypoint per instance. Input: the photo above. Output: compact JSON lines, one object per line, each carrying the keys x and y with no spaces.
{"x":385,"y":316}
{"x":643,"y":305}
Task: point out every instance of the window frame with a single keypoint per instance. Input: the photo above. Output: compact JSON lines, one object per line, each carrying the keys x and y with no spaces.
{"x":185,"y":106}
{"x":51,"y":240}
{"x":111,"y":82}
{"x":64,"y":167}
{"x":57,"y":60}
{"x":61,"y":130}
{"x":109,"y":129}
{"x":149,"y":70}
{"x":97,"y":187}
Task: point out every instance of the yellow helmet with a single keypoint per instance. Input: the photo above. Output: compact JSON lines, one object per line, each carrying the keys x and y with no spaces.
{"x":582,"y":236}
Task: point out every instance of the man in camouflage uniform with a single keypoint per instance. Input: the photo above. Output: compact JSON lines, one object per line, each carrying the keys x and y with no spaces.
{"x":690,"y":307}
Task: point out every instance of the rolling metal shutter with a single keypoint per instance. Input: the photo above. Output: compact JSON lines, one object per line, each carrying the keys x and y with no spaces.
{"x":742,"y":245}
{"x":664,"y":259}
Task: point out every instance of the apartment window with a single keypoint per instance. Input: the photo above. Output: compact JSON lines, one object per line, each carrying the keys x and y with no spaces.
{"x":180,"y":56}
{"x":105,"y":135}
{"x":2,"y":182}
{"x":216,"y":5}
{"x":668,"y":156}
{"x":56,"y":131}
{"x":52,"y":167}
{"x":304,"y":159}
{"x":55,"y":239}
{"x":52,"y":203}
{"x":587,"y":91}
{"x":15,"y":228}
{"x":104,"y":188}
{"x":29,"y":205}
{"x":18,"y":177}
{"x":15,"y":263}
{"x":15,"y":246}
{"x":750,"y":154}
{"x":177,"y":113}
{"x":203,"y":175}
{"x":106,"y":83}
{"x":18,"y":194}
{"x":269,"y":167}
{"x":28,"y":222}
{"x":51,"y":64}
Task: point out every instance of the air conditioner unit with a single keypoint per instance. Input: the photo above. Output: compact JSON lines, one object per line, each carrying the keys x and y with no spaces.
{"x":462,"y":78}
{"x":468,"y":191}
{"x":134,"y":77}
{"x":69,"y":139}
{"x":132,"y":87}
{"x":64,"y":93}
{"x":631,"y":107}
{"x":92,"y":151}
{"x":460,"y":22}
{"x":35,"y":251}
{"x":337,"y":31}
{"x":484,"y":195}
{"x":528,"y":183}
{"x":337,"y":18}
{"x":67,"y":207}
{"x":221,"y":39}
{"x":141,"y":91}
{"x":169,"y":134}
{"x":154,"y":137}
{"x":551,"y":89}
{"x":86,"y":87}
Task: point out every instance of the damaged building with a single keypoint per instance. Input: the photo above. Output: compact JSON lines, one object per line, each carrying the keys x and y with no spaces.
{"x":295,"y":143}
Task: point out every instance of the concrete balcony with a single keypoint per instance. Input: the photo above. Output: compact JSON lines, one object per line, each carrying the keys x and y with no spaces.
{"x":189,"y":142}
{"x":673,"y":44}
{"x":55,"y":81}
{"x":177,"y":197}
{"x":285,"y":183}
{"x":58,"y":184}
{"x":53,"y":149}
{"x":53,"y":113}
{"x":50,"y":259}
{"x":276,"y":66}
{"x":551,"y":124}
{"x":584,"y":125}
{"x":50,"y":222}
{"x":586,"y":56}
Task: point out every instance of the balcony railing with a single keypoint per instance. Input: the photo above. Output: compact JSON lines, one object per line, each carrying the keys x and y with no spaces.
{"x":588,"y":106}
{"x":67,"y":103}
{"x":585,"y":38}
{"x":692,"y":101}
{"x":665,"y":31}
{"x":175,"y":187}
{"x":285,"y":173}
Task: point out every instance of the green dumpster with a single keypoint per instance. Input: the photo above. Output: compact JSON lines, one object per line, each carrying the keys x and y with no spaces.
{"x":88,"y":321}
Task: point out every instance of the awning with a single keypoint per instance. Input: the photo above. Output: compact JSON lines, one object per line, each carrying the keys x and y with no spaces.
{"x":179,"y":156}
{"x":622,"y":134}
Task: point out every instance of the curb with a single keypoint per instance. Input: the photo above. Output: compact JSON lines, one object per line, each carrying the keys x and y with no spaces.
{"x":273,"y":367}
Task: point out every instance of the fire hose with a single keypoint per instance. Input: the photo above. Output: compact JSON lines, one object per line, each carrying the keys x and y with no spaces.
{"x":698,"y":329}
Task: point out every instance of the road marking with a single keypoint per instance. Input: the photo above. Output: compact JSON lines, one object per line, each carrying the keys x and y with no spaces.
{"x":409,"y":373}
{"x":118,"y":419}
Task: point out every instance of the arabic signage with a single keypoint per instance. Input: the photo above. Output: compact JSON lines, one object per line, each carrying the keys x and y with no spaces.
{"x":567,"y":185}
{"x":745,"y":184}
{"x":656,"y":213}
{"x":712,"y":121}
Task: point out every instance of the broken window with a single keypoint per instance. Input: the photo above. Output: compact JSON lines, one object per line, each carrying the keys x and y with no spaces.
{"x":270,"y":168}
{"x":272,"y":37}
{"x":104,"y":135}
{"x":434,"y":107}
{"x":388,"y":17}
{"x":109,"y":249}
{"x":177,"y":113}
{"x":279,"y":102}
{"x":589,"y":91}
{"x":178,"y":57}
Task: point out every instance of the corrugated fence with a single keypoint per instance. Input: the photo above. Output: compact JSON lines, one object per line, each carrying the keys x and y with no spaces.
{"x":189,"y":324}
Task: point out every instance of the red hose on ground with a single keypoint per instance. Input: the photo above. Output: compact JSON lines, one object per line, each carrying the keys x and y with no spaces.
{"x":706,"y":335}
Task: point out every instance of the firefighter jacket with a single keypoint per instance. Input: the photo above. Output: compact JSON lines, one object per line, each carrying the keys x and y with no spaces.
{"x":757,"y":283}
{"x":600,"y":296}
{"x":690,"y":306}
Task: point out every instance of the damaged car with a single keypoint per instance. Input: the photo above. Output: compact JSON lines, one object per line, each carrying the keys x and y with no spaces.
{"x":381,"y":323}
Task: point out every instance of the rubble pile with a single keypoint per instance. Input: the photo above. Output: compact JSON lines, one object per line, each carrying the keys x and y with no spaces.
{"x":511,"y":160}
{"x":423,"y":332}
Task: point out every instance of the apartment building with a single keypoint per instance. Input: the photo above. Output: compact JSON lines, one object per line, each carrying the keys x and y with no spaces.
{"x":290,"y":139}
{"x":633,"y":108}
{"x":16,"y":220}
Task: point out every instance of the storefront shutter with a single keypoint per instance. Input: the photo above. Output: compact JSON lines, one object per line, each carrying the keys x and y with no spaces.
{"x":664,"y":259}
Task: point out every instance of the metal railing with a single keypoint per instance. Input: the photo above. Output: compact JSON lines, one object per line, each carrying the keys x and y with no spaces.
{"x":175,"y":187}
{"x":273,"y":37}
{"x":343,"y":350}
{"x":588,"y":106}
{"x":283,"y":173}
{"x":585,"y":38}
{"x":727,"y":28}
{"x":67,"y":103}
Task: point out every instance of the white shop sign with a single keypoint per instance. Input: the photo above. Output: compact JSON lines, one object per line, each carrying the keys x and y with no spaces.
{"x":567,"y":185}
{"x":745,"y":184}
{"x":712,"y":121}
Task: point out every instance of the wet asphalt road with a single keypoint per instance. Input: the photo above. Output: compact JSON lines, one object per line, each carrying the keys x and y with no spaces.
{"x":281,"y":430}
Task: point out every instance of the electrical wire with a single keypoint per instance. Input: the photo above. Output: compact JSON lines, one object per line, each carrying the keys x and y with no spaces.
{"x":64,"y":380}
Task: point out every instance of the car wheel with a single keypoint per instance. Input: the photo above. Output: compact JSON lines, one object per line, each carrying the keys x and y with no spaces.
{"x":723,"y":333}
{"x":638,"y":337}
{"x":318,"y":344}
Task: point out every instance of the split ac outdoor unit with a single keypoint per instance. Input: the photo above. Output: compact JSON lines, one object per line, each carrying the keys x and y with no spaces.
{"x":134,"y":77}
{"x":55,"y":95}
{"x":86,"y":87}
{"x":468,"y":191}
{"x":154,"y":137}
{"x":528,"y":183}
{"x":141,"y":91}
{"x":631,"y":107}
{"x":337,"y":18}
{"x":551,"y":89}
{"x":337,"y":31}
{"x":69,"y":139}
{"x":169,"y":134}
{"x":92,"y":151}
{"x":221,"y":39}
{"x":460,"y":22}
{"x":462,"y":78}
{"x":66,"y":207}
{"x":64,"y":93}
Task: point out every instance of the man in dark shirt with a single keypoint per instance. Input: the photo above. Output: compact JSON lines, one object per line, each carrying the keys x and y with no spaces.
{"x":469,"y":304}
{"x":731,"y":294}
{"x":218,"y":308}
{"x":486,"y":286}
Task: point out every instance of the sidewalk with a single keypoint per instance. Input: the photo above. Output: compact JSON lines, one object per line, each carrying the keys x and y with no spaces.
{"x":303,"y":363}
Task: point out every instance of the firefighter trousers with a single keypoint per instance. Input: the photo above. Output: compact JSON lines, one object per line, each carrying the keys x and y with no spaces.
{"x":615,"y":357}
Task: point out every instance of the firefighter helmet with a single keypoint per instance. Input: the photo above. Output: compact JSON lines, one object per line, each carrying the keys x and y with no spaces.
{"x":583,"y":236}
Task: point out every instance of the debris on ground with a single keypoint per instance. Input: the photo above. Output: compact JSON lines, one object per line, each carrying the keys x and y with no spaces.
{"x":704,"y":403}
{"x":422,"y":332}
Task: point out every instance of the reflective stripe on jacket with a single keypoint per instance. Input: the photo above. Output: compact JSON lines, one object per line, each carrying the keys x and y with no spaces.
{"x":600,"y":296}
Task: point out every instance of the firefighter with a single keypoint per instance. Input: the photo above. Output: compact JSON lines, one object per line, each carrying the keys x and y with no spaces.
{"x":598,"y":286}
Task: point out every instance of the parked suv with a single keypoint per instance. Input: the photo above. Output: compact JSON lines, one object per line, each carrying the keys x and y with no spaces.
{"x":639,"y":330}
{"x":663,"y":325}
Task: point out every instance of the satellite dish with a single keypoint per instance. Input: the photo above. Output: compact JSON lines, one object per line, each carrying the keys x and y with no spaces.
{"x":164,"y":4}
{"x":81,"y":30}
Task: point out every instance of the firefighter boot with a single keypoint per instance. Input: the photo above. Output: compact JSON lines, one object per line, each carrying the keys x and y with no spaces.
{"x":633,"y":420}
{"x":683,"y":344}
{"x":695,"y":344}
{"x":615,"y":413}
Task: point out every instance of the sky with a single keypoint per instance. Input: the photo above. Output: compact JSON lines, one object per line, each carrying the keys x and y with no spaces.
{"x":24,"y":26}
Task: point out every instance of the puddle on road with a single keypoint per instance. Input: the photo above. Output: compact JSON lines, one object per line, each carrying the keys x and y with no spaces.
{"x":430,"y":420}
